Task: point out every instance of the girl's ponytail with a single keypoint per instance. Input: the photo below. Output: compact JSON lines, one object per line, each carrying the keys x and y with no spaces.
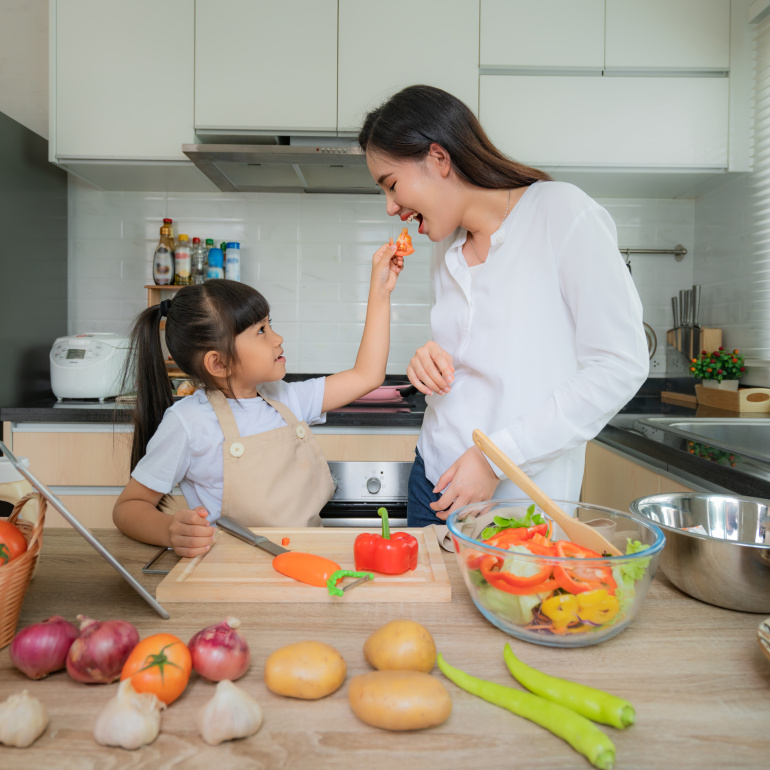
{"x":146,"y":370}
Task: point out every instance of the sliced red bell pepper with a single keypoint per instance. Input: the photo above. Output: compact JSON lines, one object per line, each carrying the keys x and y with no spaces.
{"x":513,"y":584}
{"x":391,"y":555}
{"x":576,"y":577}
{"x":516,"y":535}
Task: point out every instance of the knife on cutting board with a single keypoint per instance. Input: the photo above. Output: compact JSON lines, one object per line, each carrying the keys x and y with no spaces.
{"x":285,"y":568}
{"x":242,"y":533}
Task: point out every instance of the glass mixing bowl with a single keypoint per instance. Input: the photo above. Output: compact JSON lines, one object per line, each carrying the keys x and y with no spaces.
{"x":558,"y":601}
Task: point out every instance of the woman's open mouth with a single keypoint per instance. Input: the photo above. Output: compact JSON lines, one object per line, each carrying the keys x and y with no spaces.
{"x":411,"y":217}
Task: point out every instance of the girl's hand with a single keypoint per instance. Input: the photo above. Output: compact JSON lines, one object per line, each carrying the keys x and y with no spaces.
{"x":470,"y":479}
{"x":385,"y":269}
{"x":191,"y":534}
{"x":431,"y":369}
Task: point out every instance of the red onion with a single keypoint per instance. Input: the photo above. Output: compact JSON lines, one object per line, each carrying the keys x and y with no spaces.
{"x":220,"y":652}
{"x":98,"y":654}
{"x":41,"y":649}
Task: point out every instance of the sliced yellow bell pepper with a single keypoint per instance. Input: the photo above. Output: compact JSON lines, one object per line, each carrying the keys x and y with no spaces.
{"x":597,"y":606}
{"x":562,"y":609}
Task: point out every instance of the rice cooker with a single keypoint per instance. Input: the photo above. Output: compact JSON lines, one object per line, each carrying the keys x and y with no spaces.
{"x":88,"y":365}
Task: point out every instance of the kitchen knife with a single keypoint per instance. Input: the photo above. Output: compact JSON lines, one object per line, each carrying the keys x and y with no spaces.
{"x":675,"y":308}
{"x":696,"y":305}
{"x":242,"y":533}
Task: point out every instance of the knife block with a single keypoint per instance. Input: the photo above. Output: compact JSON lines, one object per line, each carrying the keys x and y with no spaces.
{"x":691,"y":340}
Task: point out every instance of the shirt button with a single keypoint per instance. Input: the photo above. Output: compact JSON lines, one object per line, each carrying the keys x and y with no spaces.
{"x":301,"y":432}
{"x":237,"y":449}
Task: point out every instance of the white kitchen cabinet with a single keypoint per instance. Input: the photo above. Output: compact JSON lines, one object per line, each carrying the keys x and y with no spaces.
{"x":662,"y":35}
{"x":383,"y":48}
{"x":262,"y":66}
{"x":541,"y":34}
{"x":121,"y":79}
{"x":635,"y":122}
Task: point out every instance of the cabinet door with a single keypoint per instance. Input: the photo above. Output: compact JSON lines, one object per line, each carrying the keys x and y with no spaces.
{"x":123,"y":79}
{"x":262,"y":65}
{"x":383,"y":48}
{"x":608,"y":121}
{"x":660,"y":34}
{"x":542,"y":34}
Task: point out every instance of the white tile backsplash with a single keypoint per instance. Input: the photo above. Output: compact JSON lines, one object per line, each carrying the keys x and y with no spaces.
{"x":310,"y":255}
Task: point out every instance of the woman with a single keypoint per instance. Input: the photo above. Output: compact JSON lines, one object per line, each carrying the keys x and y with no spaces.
{"x":537,"y":335}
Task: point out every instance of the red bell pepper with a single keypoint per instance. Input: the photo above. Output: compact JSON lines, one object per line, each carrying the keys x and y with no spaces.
{"x":577,"y":578}
{"x":391,"y":555}
{"x":513,"y":584}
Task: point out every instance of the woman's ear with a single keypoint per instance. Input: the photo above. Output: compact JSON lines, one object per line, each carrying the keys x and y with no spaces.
{"x":441,"y":158}
{"x":215,"y":365}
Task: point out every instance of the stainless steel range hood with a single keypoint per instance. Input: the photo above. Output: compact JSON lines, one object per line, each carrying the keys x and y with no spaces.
{"x":291,"y":165}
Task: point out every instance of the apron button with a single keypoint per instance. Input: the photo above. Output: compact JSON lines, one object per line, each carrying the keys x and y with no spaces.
{"x":301,"y":432}
{"x":237,"y":449}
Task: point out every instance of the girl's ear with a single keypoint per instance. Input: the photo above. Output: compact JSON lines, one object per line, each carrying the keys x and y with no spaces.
{"x":215,"y":365}
{"x":441,"y":158}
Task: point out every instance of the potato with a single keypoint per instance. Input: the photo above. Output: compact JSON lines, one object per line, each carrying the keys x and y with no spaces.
{"x":401,"y":645}
{"x":399,"y":700}
{"x":308,"y":670}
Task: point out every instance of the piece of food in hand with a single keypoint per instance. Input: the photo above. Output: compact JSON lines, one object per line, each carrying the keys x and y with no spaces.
{"x":306,"y":670}
{"x":399,"y":700}
{"x":401,"y":645}
{"x":185,"y":389}
{"x":386,"y":553}
{"x":404,"y":244}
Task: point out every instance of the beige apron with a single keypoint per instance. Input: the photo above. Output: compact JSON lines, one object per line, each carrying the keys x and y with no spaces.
{"x":278,"y":478}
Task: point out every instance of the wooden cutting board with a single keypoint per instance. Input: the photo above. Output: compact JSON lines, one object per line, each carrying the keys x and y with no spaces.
{"x":234,"y":571}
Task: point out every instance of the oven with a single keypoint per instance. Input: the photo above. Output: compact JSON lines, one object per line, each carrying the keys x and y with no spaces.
{"x":363,"y":487}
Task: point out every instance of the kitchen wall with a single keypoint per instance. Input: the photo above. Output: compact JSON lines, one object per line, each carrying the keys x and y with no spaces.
{"x":310,"y":255}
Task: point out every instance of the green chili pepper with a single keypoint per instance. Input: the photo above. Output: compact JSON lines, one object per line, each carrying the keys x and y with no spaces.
{"x":593,"y":704}
{"x":335,"y":577}
{"x":583,"y":735}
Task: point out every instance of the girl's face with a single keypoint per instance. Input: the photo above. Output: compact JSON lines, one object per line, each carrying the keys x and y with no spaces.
{"x":419,"y":189}
{"x":260,"y":356}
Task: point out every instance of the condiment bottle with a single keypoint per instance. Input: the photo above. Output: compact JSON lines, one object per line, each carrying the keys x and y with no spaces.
{"x":233,"y":262}
{"x":163,"y":260}
{"x":170,"y":224}
{"x":198,"y":263}
{"x":182,"y":261}
{"x":216,"y":260}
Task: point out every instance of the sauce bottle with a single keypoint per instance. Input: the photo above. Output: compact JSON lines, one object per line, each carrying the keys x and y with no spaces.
{"x":163,"y":260}
{"x":182,"y":262}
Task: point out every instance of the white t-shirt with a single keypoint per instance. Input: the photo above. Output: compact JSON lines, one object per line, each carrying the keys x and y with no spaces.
{"x":187,"y":447}
{"x":546,"y":337}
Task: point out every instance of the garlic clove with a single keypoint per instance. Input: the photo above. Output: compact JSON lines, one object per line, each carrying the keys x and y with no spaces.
{"x":230,"y":713}
{"x":130,"y":720}
{"x":22,"y":720}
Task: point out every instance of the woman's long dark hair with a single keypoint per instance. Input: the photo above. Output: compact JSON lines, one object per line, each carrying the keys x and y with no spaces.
{"x":406,"y":125}
{"x":200,"y":318}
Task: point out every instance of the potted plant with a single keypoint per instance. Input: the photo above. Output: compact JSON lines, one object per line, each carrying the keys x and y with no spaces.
{"x":721,"y":369}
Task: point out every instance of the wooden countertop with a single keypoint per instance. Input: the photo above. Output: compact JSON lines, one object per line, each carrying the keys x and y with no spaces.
{"x":695,"y":673}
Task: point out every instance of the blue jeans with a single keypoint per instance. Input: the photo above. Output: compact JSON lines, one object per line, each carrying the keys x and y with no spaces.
{"x":421,"y":494}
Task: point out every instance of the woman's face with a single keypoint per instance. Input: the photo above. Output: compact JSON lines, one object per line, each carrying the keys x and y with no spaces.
{"x":418,"y":188}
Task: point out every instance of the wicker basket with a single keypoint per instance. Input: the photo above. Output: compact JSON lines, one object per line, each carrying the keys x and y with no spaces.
{"x":17,"y":573}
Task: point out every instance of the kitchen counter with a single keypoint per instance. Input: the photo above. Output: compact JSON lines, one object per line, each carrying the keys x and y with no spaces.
{"x":695,"y":673}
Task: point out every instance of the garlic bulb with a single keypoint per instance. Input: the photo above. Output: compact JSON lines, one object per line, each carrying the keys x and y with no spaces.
{"x":130,"y":719}
{"x":231,"y":713}
{"x":22,"y":720}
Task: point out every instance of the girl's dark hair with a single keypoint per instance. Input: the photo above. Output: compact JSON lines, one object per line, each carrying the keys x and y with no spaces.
{"x":406,"y":125}
{"x":200,"y":318}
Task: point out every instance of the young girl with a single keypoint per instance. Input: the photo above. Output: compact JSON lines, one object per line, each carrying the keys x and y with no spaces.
{"x":240,"y":445}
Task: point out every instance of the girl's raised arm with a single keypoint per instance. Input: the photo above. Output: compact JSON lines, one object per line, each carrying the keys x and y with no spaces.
{"x":368,"y":372}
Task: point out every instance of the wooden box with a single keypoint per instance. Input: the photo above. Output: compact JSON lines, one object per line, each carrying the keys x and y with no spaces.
{"x":741,"y":400}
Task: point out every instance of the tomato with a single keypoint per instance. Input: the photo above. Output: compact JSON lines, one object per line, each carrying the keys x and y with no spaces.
{"x":159,"y":664}
{"x":404,"y":244}
{"x":12,"y":542}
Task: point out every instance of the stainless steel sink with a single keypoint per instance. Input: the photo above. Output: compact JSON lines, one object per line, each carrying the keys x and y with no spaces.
{"x":749,"y":436}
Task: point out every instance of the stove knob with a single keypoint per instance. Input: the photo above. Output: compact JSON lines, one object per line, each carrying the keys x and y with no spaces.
{"x":373,"y":485}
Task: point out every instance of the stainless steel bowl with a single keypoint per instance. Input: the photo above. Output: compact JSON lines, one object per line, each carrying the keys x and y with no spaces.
{"x":729,"y":566}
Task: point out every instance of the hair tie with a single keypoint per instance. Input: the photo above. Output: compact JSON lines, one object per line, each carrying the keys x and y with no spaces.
{"x":164,"y":307}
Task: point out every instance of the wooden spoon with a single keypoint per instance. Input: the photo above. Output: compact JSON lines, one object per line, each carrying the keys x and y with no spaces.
{"x":576,"y":531}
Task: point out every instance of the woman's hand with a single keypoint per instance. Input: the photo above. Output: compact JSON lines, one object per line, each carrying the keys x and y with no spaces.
{"x":431,"y":369}
{"x":191,"y":534}
{"x":385,"y":269}
{"x":470,"y":479}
